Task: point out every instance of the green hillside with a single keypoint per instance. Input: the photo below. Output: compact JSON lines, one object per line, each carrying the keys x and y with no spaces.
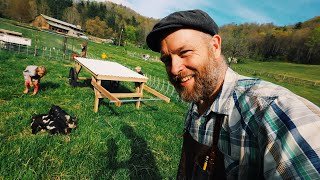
{"x":116,"y":142}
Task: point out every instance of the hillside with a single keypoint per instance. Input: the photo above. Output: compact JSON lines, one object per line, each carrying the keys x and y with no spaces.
{"x":116,"y":142}
{"x":299,"y":43}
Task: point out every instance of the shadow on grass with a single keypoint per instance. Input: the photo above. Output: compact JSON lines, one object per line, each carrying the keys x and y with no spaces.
{"x":44,"y":86}
{"x":144,"y":107}
{"x":84,"y":83}
{"x":9,"y":95}
{"x":141,"y":164}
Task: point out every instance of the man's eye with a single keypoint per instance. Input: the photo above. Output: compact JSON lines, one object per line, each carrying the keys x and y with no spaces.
{"x":185,"y":52}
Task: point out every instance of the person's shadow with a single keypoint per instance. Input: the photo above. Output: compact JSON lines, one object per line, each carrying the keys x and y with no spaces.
{"x":48,"y":85}
{"x":141,"y":164}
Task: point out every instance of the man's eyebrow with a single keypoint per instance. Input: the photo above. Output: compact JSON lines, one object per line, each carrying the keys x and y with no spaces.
{"x":176,"y":51}
{"x":182,"y":48}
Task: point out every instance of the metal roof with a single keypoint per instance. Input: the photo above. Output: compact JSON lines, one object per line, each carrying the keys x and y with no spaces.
{"x":56,"y":21}
{"x":59,"y":26}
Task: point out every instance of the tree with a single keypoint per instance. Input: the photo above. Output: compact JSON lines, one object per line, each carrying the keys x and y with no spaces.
{"x":4,"y":4}
{"x":43,"y":8}
{"x":57,"y":7}
{"x":96,"y":27}
{"x":33,"y":11}
{"x":313,"y":44}
{"x":19,"y":10}
{"x":298,"y":25}
{"x":130,"y":34}
{"x":235,"y":43}
{"x":93,"y":10}
{"x":71,"y":15}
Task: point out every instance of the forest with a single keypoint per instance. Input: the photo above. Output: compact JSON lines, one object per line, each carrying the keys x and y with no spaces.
{"x":297,"y":43}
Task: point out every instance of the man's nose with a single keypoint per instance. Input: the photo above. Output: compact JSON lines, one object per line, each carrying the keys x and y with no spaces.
{"x":176,"y":64}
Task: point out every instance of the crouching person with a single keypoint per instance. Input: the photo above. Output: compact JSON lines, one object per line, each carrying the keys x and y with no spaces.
{"x":32,"y":75}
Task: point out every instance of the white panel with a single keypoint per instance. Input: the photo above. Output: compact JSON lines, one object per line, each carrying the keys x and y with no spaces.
{"x":108,"y":68}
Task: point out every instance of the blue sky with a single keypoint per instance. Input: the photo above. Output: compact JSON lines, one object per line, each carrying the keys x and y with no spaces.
{"x":278,"y":12}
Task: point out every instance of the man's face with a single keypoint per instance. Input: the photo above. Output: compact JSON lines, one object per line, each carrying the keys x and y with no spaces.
{"x":190,"y":64}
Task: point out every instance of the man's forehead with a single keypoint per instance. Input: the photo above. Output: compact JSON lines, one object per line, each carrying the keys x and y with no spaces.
{"x":179,"y":40}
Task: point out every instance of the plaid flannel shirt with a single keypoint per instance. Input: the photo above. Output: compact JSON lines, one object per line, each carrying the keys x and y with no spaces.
{"x":267,"y":133}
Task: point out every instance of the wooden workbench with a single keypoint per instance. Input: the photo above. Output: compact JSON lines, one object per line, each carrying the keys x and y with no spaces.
{"x":106,"y":70}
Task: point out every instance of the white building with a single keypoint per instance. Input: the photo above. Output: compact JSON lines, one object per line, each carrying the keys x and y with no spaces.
{"x":13,"y":37}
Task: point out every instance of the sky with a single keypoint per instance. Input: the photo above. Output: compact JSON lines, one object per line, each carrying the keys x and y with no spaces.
{"x":278,"y":12}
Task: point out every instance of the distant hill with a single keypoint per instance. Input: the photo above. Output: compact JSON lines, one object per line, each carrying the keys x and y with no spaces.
{"x":312,"y":23}
{"x":299,"y":43}
{"x":101,"y":19}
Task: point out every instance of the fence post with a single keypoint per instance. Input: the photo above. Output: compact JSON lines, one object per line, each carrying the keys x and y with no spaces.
{"x":167,"y":87}
{"x":35,"y":50}
{"x":172,"y":91}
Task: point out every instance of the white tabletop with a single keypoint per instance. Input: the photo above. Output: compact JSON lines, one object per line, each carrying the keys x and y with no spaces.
{"x":108,"y":68}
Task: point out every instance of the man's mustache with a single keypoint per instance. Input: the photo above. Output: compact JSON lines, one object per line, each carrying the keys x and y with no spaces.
{"x":181,"y":75}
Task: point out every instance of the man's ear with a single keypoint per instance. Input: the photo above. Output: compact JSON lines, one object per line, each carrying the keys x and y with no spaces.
{"x":216,"y":40}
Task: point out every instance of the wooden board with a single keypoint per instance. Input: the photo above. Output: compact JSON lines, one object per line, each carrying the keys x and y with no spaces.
{"x":107,"y":70}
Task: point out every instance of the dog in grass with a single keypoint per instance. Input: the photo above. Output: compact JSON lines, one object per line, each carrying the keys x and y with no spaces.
{"x":56,"y":121}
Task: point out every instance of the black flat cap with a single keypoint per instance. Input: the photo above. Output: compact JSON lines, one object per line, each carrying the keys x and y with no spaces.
{"x":193,"y":19}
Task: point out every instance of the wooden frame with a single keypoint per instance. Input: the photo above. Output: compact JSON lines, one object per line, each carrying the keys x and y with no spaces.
{"x":106,"y":70}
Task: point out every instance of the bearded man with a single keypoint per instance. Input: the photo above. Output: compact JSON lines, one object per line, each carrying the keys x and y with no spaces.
{"x":237,"y":127}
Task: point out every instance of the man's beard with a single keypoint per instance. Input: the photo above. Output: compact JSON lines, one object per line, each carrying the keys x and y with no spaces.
{"x":205,"y":81}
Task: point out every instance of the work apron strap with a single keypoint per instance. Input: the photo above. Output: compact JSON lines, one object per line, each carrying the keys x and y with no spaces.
{"x":199,"y":161}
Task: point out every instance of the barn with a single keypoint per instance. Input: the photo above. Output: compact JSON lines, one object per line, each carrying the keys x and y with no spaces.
{"x":48,"y":23}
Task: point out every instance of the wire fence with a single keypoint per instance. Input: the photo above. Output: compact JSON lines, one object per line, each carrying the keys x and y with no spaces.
{"x":161,"y":85}
{"x":145,"y":57}
{"x":280,"y":77}
{"x":164,"y":87}
{"x":44,"y":52}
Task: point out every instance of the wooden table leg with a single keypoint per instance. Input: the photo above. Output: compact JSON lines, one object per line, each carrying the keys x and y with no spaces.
{"x":78,"y":68}
{"x":96,"y":98}
{"x":139,"y":89}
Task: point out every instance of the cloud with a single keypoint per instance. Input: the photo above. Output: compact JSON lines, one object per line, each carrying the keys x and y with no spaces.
{"x":251,"y":15}
{"x":229,"y":11}
{"x":162,"y":8}
{"x":158,"y":9}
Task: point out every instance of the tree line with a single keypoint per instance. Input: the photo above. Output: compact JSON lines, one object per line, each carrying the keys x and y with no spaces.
{"x":298,"y":43}
{"x":101,"y":19}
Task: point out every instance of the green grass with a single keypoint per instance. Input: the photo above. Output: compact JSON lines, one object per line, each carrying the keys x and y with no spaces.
{"x":277,"y":69}
{"x":301,"y":71}
{"x":115,"y":143}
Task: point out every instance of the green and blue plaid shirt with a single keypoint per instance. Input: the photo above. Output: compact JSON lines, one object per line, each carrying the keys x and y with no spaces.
{"x":268,"y":132}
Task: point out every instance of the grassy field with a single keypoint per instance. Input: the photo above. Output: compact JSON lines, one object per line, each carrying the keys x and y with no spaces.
{"x":298,"y":78}
{"x":115,"y":143}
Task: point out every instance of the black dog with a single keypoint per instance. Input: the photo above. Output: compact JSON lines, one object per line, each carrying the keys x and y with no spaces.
{"x":61,"y":121}
{"x":39,"y":122}
{"x":57,"y":121}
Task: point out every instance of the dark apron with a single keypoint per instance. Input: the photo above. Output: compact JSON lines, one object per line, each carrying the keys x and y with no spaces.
{"x":194,"y":155}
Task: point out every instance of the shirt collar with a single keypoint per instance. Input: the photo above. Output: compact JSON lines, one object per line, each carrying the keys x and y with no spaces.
{"x":221,"y":104}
